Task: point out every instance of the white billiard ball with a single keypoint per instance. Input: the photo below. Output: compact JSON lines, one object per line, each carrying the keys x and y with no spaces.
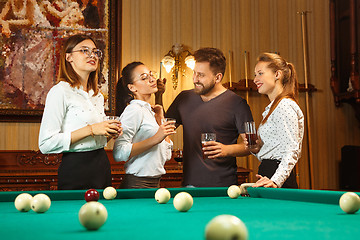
{"x":183,"y":201}
{"x":226,"y":227}
{"x":40,"y":203}
{"x":93,"y":215}
{"x":233,"y":191}
{"x":23,"y":202}
{"x":349,"y":202}
{"x":109,"y":193}
{"x":162,"y":195}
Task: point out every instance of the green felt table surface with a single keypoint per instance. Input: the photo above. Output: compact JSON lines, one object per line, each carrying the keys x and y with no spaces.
{"x":134,"y":214}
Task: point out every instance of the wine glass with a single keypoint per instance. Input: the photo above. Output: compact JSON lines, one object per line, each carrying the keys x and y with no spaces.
{"x":178,"y":156}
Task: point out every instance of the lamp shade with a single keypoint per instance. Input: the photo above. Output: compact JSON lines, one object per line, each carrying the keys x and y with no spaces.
{"x":190,"y":62}
{"x":168,"y":63}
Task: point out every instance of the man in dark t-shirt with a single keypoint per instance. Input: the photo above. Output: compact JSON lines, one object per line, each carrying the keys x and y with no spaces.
{"x":210,"y":108}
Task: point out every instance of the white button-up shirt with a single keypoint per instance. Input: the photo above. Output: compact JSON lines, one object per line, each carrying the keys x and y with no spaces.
{"x":282,"y":135}
{"x":139,"y":123}
{"x":68,"y":109}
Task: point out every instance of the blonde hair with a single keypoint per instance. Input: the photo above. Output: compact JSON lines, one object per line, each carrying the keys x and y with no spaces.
{"x":289,"y":78}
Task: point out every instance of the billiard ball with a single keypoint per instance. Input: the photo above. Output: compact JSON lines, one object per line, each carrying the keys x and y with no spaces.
{"x":162,"y":195}
{"x":226,"y":227}
{"x":244,"y":187}
{"x":93,"y":215}
{"x":233,"y":191}
{"x":183,"y":201}
{"x":349,"y":202}
{"x":92,"y":195}
{"x":40,"y":203}
{"x":109,"y":193}
{"x":23,"y":202}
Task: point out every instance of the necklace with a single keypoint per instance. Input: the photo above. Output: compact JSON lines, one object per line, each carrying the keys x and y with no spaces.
{"x":19,"y":12}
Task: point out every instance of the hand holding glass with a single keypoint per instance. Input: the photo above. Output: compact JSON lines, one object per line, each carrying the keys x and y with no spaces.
{"x":164,"y":120}
{"x":207,"y":137}
{"x":250,"y":132}
{"x":109,"y":118}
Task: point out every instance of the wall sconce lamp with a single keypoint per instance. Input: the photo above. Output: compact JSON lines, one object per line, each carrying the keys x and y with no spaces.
{"x":172,"y":61}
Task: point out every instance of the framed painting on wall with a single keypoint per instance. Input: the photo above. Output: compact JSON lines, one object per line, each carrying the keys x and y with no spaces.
{"x":32,"y":33}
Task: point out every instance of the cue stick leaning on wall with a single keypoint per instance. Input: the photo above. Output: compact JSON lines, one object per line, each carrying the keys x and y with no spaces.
{"x":306,"y":76}
{"x":230,"y":68}
{"x":247,"y":100}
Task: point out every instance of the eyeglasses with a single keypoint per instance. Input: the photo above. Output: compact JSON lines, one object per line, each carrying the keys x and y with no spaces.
{"x":146,"y":76}
{"x":86,"y":51}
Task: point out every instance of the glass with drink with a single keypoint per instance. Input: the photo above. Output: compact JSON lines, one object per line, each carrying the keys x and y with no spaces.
{"x":250,"y":132}
{"x":207,"y":137}
{"x":107,"y":118}
{"x":178,"y":156}
{"x":164,"y":120}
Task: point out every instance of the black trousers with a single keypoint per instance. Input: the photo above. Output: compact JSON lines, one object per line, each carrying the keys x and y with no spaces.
{"x":268,"y":168}
{"x":84,"y":170}
{"x":131,"y":181}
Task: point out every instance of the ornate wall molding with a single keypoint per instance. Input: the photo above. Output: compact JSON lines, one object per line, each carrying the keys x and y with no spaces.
{"x":35,"y":158}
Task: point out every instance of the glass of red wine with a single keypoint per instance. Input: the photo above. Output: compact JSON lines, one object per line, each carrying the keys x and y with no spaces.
{"x":250,"y":132}
{"x":178,"y":156}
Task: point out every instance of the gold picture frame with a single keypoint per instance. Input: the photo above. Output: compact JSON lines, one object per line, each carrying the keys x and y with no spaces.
{"x":30,"y":46}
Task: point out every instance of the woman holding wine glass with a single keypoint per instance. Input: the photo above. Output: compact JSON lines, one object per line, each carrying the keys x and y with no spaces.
{"x":72,"y":122}
{"x":145,"y":144}
{"x":282,"y":127}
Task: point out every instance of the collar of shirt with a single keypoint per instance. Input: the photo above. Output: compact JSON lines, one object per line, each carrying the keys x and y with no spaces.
{"x":269,"y":106}
{"x":79,"y":90}
{"x":143,"y":104}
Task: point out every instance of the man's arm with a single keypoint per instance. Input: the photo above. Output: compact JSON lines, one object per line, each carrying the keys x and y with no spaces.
{"x":214,"y":149}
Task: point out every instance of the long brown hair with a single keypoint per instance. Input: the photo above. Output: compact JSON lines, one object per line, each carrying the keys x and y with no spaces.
{"x":66,"y":71}
{"x":123,"y":93}
{"x":289,"y":78}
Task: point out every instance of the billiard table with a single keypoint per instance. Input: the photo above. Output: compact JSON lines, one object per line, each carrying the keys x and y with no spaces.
{"x":134,"y":214}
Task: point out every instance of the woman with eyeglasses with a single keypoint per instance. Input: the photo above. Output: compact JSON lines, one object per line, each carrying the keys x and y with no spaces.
{"x":72,"y":122}
{"x":145,"y":144}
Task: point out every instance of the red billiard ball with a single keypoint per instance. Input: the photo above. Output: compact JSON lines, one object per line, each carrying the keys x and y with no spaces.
{"x":92,"y":195}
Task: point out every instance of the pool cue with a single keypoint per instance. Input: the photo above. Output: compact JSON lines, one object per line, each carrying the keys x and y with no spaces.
{"x":159,"y":99}
{"x":160,"y":71}
{"x":297,"y":171}
{"x":230,"y":68}
{"x":246,"y":77}
{"x":247,"y":100}
{"x":306,"y":72}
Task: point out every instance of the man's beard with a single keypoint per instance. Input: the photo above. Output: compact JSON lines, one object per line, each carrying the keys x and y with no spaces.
{"x":204,"y":90}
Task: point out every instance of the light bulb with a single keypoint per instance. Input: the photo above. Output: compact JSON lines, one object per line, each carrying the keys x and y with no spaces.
{"x":190,"y":62}
{"x":168,"y":63}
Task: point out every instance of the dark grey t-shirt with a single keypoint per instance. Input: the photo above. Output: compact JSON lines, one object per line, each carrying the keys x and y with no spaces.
{"x":224,"y":115}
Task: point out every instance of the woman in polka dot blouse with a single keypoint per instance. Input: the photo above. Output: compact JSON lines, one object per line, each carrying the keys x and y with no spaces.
{"x":281,"y":130}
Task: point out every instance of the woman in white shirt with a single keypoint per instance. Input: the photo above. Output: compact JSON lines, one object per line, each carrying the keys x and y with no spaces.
{"x":282,"y":128}
{"x":145,"y":144}
{"x":72,"y":121}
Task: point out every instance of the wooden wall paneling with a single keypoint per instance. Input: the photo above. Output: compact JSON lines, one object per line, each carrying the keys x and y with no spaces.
{"x":206,"y":23}
{"x":321,"y":71}
{"x":17,"y":136}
